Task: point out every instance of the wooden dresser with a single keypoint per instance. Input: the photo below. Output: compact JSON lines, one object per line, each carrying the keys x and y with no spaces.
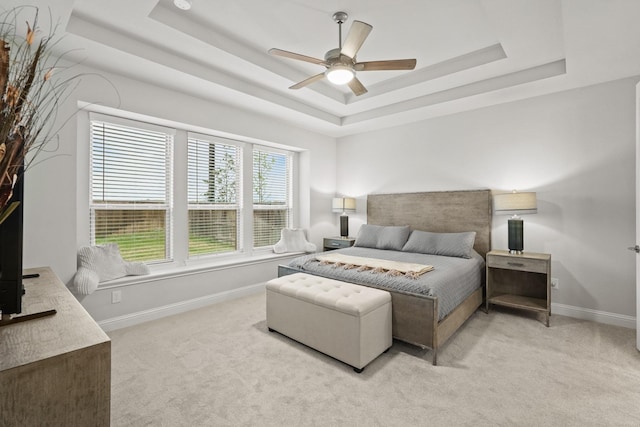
{"x":55,"y":370}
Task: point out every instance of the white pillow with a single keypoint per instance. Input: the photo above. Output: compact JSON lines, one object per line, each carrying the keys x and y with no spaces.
{"x":102,"y":263}
{"x":105,"y":260}
{"x":86,"y":281}
{"x":293,"y":240}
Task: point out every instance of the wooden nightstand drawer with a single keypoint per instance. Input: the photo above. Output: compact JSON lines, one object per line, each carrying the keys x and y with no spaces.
{"x":517,"y":263}
{"x":329,"y":243}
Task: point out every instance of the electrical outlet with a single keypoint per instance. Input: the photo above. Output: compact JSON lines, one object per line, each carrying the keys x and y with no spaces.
{"x":555,"y":283}
{"x":116,"y":297}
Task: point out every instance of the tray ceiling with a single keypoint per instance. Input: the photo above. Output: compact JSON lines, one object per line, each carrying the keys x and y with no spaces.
{"x":470,"y":53}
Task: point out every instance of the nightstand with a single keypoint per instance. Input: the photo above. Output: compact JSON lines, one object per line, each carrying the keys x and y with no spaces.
{"x":330,"y":243}
{"x":521,"y":281}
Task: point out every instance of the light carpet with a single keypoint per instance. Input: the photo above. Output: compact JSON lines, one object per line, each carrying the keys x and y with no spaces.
{"x":219,"y":366}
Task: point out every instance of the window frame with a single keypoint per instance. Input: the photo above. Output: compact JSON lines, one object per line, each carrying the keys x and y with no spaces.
{"x":179,"y":229}
{"x":237,"y":206}
{"x":167,"y":205}
{"x":288,"y":206}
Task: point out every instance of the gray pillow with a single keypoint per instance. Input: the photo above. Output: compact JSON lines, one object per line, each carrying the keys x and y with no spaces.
{"x":447,"y":244}
{"x":382,"y":237}
{"x":393,"y":237}
{"x":368,"y":236}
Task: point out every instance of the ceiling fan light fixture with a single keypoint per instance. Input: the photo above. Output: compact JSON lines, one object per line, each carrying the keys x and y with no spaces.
{"x":182,"y":4}
{"x":340,"y":74}
{"x":341,"y":62}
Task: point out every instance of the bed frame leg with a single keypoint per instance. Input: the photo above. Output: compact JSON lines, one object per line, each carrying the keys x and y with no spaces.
{"x":434,"y":358}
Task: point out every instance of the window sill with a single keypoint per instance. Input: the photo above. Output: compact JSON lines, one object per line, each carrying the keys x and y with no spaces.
{"x":196,"y":269}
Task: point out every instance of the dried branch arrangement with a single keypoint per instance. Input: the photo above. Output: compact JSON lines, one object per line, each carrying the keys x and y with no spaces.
{"x":32,"y":86}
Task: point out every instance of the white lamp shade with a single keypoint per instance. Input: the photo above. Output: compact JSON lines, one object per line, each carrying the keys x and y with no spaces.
{"x":515,"y":203}
{"x":344,"y":204}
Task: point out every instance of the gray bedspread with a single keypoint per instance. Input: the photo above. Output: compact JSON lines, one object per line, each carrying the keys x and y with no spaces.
{"x":452,"y":280}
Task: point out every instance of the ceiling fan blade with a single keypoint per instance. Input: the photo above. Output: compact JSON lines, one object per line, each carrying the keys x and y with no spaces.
{"x":357,"y":35}
{"x":394,"y":64}
{"x":357,"y":87}
{"x":291,"y":55}
{"x":308,"y":81}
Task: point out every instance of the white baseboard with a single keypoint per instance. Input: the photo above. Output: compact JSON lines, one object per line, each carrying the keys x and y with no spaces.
{"x":177,"y":308}
{"x":183,"y":306}
{"x":594,"y":315}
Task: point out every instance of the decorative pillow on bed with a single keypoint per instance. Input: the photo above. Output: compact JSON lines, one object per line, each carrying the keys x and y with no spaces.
{"x":382,"y":237}
{"x":368,"y":236}
{"x":448,"y":244}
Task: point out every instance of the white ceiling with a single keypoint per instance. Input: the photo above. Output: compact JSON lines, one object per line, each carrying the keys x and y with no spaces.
{"x":470,"y":53}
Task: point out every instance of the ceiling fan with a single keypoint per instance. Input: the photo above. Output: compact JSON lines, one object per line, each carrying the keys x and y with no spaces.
{"x":341,"y":63}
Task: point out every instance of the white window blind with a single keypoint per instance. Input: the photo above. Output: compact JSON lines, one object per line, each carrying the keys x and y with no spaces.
{"x":131,"y":179}
{"x":214,"y":193}
{"x":271,"y":195}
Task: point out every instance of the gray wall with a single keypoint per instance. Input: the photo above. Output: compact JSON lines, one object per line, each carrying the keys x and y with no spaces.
{"x":56,"y":190}
{"x":576,"y":149}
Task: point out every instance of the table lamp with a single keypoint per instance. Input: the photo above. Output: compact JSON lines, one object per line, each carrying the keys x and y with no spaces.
{"x":343,"y":205}
{"x":515,"y":204}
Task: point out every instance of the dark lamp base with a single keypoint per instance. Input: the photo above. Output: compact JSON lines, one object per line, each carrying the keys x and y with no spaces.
{"x":344,"y":226}
{"x":516,"y":236}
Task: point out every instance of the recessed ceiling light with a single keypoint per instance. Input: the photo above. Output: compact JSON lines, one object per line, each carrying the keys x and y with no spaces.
{"x":182,"y":4}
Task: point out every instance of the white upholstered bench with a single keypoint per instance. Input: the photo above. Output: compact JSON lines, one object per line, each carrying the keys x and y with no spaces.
{"x":348,"y":322}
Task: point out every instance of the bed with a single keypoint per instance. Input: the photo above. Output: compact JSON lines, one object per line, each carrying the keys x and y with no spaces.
{"x":427,"y":309}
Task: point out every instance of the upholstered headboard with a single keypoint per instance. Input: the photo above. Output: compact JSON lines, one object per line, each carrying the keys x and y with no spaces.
{"x":436,"y":211}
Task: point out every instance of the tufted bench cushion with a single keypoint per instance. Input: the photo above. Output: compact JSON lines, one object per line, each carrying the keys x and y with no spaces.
{"x":349,"y":322}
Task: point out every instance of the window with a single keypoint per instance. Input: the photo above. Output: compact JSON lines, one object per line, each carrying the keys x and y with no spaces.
{"x":131,"y":190}
{"x":173,"y":196}
{"x":271,"y":195}
{"x":214,"y":191}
